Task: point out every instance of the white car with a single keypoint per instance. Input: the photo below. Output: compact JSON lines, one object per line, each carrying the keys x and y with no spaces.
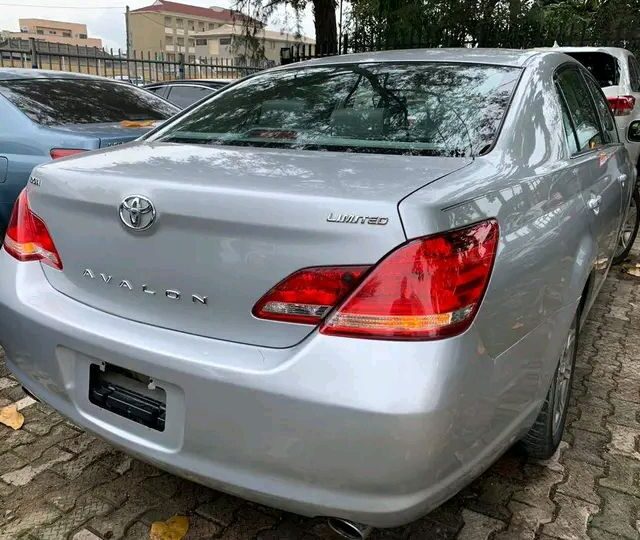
{"x":618,"y":72}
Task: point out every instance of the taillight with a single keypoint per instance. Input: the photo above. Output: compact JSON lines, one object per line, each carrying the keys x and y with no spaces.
{"x":621,"y":105}
{"x":307,"y":295}
{"x":428,"y":288}
{"x":27,"y":237}
{"x":57,"y":153}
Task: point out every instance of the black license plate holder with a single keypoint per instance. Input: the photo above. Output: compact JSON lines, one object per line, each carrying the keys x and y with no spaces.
{"x":128,"y":394}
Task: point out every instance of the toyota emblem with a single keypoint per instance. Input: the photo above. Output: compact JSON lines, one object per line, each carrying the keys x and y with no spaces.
{"x":137,"y":213}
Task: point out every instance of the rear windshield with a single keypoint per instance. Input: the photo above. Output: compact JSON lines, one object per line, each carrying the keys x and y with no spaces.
{"x":77,"y":101}
{"x":602,"y":66}
{"x":417,"y":108}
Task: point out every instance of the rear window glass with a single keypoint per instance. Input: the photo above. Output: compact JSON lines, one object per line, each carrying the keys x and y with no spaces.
{"x":77,"y":101}
{"x":602,"y":66}
{"x":417,"y":108}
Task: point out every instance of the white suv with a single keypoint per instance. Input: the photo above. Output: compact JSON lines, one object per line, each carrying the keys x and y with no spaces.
{"x":618,"y":73}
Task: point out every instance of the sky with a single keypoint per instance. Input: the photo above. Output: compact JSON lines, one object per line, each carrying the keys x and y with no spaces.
{"x":105,"y":18}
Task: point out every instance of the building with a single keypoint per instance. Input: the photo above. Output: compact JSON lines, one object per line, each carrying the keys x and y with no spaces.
{"x":64,"y":33}
{"x":227,"y":42}
{"x":169,"y":28}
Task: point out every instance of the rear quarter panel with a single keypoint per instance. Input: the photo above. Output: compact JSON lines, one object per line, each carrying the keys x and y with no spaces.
{"x":546,"y":249}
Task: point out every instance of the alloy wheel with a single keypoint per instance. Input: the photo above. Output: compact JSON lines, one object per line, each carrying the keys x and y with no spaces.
{"x":563,"y":378}
{"x":626,"y":235}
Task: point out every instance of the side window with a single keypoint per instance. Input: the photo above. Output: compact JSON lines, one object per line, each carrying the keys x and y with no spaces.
{"x":569,"y":131}
{"x":184,"y":95}
{"x":634,"y":74}
{"x":604,"y":112}
{"x":581,"y":109}
{"x":158,"y":90}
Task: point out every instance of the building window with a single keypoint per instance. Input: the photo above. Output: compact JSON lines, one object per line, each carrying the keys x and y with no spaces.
{"x":272,"y":44}
{"x":192,"y":26}
{"x":192,"y":59}
{"x":82,"y":36}
{"x":53,"y":32}
{"x":201,"y":41}
{"x":66,"y":34}
{"x":212,"y":26}
{"x":201,"y":26}
{"x":225,"y":41}
{"x":192,"y":43}
{"x":169,"y":40}
{"x":180,"y":42}
{"x":168,"y":21}
{"x":41,"y":32}
{"x":179,"y":23}
{"x":171,"y":57}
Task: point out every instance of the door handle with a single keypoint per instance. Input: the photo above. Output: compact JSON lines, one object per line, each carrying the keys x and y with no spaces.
{"x":623,"y":179}
{"x":594,"y":203}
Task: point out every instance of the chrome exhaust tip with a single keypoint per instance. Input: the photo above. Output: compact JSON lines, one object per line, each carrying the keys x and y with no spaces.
{"x":349,"y":529}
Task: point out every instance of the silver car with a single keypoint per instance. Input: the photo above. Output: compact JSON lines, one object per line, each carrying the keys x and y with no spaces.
{"x":342,"y":287}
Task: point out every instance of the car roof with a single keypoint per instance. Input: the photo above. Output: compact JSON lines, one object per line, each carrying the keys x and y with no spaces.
{"x":8,"y":74}
{"x":614,"y":51}
{"x":216,"y":82}
{"x":503,"y":57}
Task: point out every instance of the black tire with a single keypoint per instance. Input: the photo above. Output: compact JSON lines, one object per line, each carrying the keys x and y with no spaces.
{"x":545,"y":435}
{"x":624,"y":246}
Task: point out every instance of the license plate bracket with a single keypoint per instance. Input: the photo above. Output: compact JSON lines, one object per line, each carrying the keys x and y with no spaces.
{"x":128,"y":394}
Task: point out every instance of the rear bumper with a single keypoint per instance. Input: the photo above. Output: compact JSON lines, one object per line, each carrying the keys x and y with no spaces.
{"x":378,"y":432}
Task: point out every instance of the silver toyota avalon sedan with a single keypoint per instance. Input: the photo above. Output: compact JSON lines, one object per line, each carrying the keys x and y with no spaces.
{"x":342,"y":287}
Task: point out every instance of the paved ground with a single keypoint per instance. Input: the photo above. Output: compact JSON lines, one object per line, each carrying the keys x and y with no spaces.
{"x":57,"y":482}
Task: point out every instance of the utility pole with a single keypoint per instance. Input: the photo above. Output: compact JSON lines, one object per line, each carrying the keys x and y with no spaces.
{"x":126,"y":23}
{"x":340,"y":30}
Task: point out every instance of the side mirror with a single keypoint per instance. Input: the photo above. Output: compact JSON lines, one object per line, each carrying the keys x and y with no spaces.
{"x":634,"y":131}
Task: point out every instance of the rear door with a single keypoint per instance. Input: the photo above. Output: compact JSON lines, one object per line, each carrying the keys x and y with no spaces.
{"x":599,"y":159}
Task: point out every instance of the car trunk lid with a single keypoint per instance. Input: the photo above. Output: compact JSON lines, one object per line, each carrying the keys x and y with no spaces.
{"x":230,"y":224}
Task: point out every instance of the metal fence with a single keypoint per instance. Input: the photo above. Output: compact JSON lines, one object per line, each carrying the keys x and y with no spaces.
{"x":138,"y":67}
{"x":544,"y":35}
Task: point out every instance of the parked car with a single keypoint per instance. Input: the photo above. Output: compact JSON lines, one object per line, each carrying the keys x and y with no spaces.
{"x":340,"y":287}
{"x":46,"y":115}
{"x":618,"y":74}
{"x":131,"y":79}
{"x":185,"y":92}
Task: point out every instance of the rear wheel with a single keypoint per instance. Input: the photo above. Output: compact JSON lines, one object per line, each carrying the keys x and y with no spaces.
{"x":629,"y":229}
{"x":545,"y":435}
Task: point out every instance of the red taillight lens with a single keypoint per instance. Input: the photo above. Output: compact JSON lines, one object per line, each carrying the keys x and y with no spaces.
{"x":27,"y":237}
{"x":429,"y":288}
{"x":621,"y":105}
{"x":57,"y":153}
{"x":307,"y":295}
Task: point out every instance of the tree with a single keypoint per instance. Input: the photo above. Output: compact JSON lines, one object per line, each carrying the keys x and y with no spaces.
{"x":324,"y":14}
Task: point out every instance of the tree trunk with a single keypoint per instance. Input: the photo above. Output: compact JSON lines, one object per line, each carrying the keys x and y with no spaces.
{"x":324,"y":15}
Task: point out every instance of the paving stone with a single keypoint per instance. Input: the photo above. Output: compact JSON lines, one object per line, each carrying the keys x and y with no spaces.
{"x":88,"y":507}
{"x":222,"y":510}
{"x":478,"y":526}
{"x":571,"y":520}
{"x":625,"y":413}
{"x":24,"y":496}
{"x":618,"y":515}
{"x":536,"y":490}
{"x":623,"y":475}
{"x":9,"y":439}
{"x":27,"y":520}
{"x":64,"y":498}
{"x":625,"y":441}
{"x":525,"y":521}
{"x":34,"y":449}
{"x":580,"y":481}
{"x":248,"y":524}
{"x":587,"y":447}
{"x":73,"y":468}
{"x":24,"y":475}
{"x":85,"y":534}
